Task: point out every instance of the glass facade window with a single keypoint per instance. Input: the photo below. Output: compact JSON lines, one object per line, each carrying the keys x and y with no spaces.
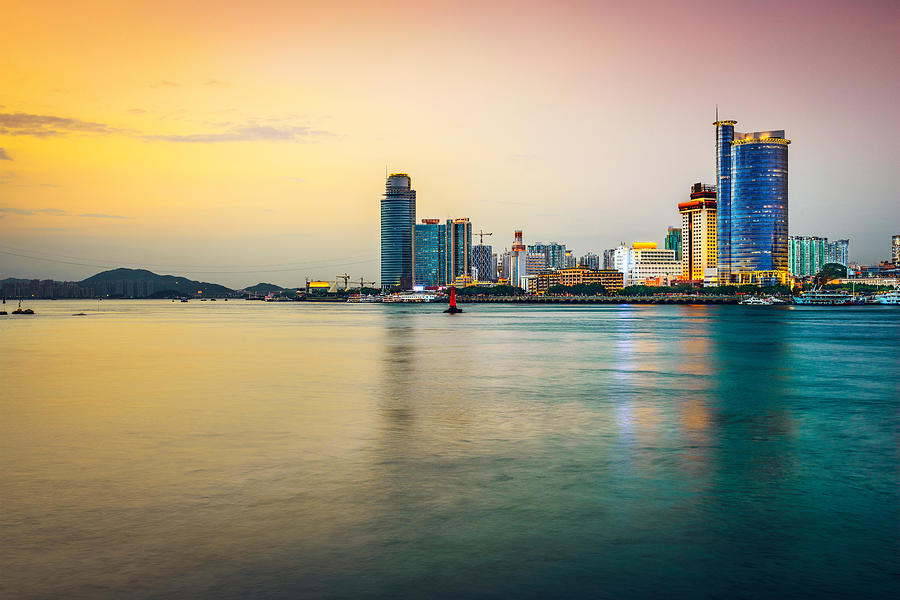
{"x":430,"y":248}
{"x":724,"y":137}
{"x":673,"y":240}
{"x":483,"y":263}
{"x":758,"y":222}
{"x":459,"y":249}
{"x":398,"y":217}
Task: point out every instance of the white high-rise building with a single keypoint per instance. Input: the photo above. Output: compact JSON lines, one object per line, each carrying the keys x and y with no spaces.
{"x":644,"y":260}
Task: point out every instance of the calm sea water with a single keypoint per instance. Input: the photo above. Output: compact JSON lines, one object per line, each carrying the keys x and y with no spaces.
{"x":242,"y":449}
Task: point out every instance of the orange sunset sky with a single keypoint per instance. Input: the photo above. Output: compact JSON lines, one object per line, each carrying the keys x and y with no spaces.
{"x":238,"y":142}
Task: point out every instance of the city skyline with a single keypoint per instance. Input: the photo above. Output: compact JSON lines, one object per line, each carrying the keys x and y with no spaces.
{"x":252,"y":145}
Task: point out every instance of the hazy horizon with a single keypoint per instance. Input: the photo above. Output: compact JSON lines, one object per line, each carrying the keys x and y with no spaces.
{"x":239,"y":144}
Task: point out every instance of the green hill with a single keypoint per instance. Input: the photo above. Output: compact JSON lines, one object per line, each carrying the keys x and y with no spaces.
{"x":263,"y":288}
{"x":141,"y":283}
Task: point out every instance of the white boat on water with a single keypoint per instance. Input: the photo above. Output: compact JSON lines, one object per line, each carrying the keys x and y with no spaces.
{"x":359,"y":299}
{"x":757,"y":301}
{"x":820,"y":297}
{"x":891,"y":297}
{"x":411,"y":297}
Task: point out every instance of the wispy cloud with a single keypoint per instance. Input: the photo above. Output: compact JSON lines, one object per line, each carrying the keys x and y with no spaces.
{"x":214,"y":83}
{"x":100,"y":216}
{"x":166,"y":83}
{"x":31,"y":211}
{"x":298,"y":179}
{"x":56,"y":212}
{"x":49,"y":125}
{"x":246,"y":133}
{"x":43,"y":126}
{"x":4,"y":155}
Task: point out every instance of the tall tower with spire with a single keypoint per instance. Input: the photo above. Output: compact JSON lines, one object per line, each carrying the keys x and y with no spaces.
{"x":752,"y":220}
{"x":398,"y":220}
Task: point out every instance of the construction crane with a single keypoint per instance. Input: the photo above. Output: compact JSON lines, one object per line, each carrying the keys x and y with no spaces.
{"x":481,"y":233}
{"x":362,"y":283}
{"x":346,"y":279}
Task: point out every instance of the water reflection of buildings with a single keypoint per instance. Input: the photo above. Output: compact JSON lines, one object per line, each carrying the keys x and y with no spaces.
{"x":756,"y":427}
{"x":663,"y":389}
{"x":422,"y":396}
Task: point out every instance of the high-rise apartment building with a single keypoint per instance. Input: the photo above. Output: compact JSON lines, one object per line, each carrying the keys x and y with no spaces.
{"x":609,"y":259}
{"x":673,"y":240}
{"x":590,"y":261}
{"x":484,"y":266}
{"x":459,"y":249}
{"x":895,"y":249}
{"x":621,"y":259}
{"x":806,"y":255}
{"x":517,"y":267}
{"x":752,"y":180}
{"x":698,"y":234}
{"x":430,"y":252}
{"x":838,"y":252}
{"x":398,"y":218}
{"x":554,"y":254}
{"x":503,"y":266}
{"x":536,"y":261}
{"x":570,"y":260}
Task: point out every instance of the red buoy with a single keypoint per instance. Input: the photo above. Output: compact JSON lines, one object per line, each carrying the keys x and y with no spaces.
{"x":452,"y":309}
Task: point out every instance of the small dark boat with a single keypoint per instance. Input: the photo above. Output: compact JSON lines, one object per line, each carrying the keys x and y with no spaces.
{"x":452,"y":309}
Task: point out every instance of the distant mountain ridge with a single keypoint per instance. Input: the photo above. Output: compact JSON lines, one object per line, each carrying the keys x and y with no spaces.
{"x":130,"y":283}
{"x":141,"y":283}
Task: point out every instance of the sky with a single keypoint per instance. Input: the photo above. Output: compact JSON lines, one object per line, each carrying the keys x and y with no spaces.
{"x":238,"y":142}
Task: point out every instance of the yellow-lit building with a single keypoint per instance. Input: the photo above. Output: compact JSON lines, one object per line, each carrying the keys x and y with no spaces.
{"x":698,"y":233}
{"x":463,"y":281}
{"x":761,"y":278}
{"x":319,"y":286}
{"x":611,"y":280}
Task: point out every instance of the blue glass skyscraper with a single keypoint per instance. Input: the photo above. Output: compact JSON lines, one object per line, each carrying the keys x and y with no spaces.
{"x":430,"y":249}
{"x":459,"y":249}
{"x":724,"y":137}
{"x":398,"y":218}
{"x":752,"y":173}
